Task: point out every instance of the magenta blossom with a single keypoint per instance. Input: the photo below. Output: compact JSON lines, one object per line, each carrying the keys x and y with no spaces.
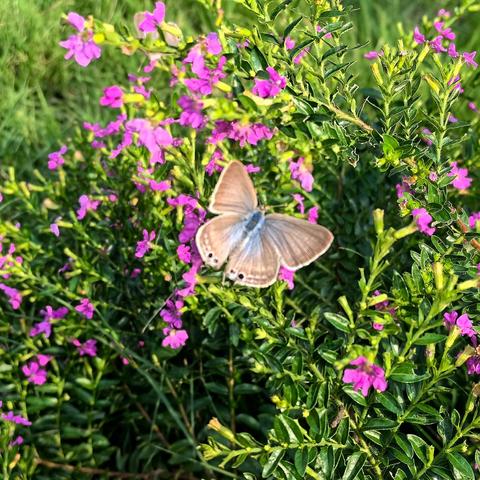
{"x":112,"y":97}
{"x":50,"y":314}
{"x":302,"y":174}
{"x":452,"y":51}
{"x":80,"y":46}
{"x":287,"y":276}
{"x":54,"y":229}
{"x":289,"y":43}
{"x":423,"y":219}
{"x":373,"y":55}
{"x":452,"y":118}
{"x":403,"y":187}
{"x":470,"y":59}
{"x":34,"y":373}
{"x":433,"y":176}
{"x":299,"y":199}
{"x":14,"y":296}
{"x":192,"y":114}
{"x":214,"y":47}
{"x":162,"y":186}
{"x":143,"y":246}
{"x":446,"y":33}
{"x":426,"y":138}
{"x":299,"y":56}
{"x":152,"y":20}
{"x":213,"y":165}
{"x":365,"y":376}
{"x":55,"y":159}
{"x":240,"y":132}
{"x":462,"y":181}
{"x":174,"y":338}
{"x":85,"y":308}
{"x":463,"y":322}
{"x":437,"y":45}
{"x":86,"y":205}
{"x":312,"y":216}
{"x":184,"y":253}
{"x":473,"y":219}
{"x":472,"y":106}
{"x":89,"y":347}
{"x":418,"y":37}
{"x":17,"y":419}
{"x":41,"y":327}
{"x":271,"y":87}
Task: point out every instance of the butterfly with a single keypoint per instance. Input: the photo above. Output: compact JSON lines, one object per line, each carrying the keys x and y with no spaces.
{"x":253,"y":244}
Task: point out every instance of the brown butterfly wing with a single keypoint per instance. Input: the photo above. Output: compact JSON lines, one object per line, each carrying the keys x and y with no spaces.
{"x":297,"y":241}
{"x":234,"y":192}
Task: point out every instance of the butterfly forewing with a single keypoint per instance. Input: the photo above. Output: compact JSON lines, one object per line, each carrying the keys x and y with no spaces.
{"x":297,"y":241}
{"x":218,"y":237}
{"x":234,"y":192}
{"x":255,"y":263}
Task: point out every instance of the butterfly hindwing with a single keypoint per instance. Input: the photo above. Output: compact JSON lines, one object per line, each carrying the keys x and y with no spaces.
{"x":297,"y":241}
{"x":218,"y":237}
{"x":234,"y":192}
{"x":255,"y":263}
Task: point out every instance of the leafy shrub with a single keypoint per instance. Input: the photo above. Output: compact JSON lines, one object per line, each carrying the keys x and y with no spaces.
{"x":123,"y":356}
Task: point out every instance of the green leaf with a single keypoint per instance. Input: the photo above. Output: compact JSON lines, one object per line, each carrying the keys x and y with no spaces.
{"x":389,"y":402}
{"x":354,"y":464}
{"x":279,"y":8}
{"x":293,"y":428}
{"x":338,"y":321}
{"x":404,"y":374}
{"x":380,"y":424}
{"x":301,"y":460}
{"x":272,"y":462}
{"x":462,"y":470}
{"x":418,"y":445}
{"x":430,"y":338}
{"x":291,"y":26}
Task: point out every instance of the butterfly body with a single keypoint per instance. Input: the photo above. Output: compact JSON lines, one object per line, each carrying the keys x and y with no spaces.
{"x":253,"y":244}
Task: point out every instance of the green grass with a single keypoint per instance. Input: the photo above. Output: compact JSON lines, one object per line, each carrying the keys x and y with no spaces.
{"x":43,"y":97}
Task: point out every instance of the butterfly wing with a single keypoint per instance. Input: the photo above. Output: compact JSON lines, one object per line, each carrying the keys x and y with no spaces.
{"x":297,"y":241}
{"x":234,"y":192}
{"x":218,"y":237}
{"x":255,"y":263}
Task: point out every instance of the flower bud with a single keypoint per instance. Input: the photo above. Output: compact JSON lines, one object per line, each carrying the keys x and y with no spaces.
{"x":225,"y":432}
{"x":452,"y":336}
{"x":430,"y":354}
{"x":464,"y":356}
{"x":438,"y":275}
{"x":378,"y":220}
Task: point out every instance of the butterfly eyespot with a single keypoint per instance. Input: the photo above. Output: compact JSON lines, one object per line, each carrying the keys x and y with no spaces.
{"x":241,"y":276}
{"x":215,"y":260}
{"x":210,"y":255}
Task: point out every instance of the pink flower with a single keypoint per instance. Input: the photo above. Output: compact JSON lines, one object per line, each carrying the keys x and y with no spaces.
{"x":43,"y":359}
{"x":372,"y":55}
{"x":251,"y":168}
{"x":50,"y":314}
{"x":426,"y":138}
{"x":55,"y":159}
{"x":418,"y":37}
{"x":473,"y":364}
{"x":86,"y":205}
{"x":289,"y":43}
{"x":470,"y":59}
{"x":423,"y":218}
{"x":433,"y":176}
{"x":437,"y":45}
{"x":35,"y":374}
{"x":214,"y":47}
{"x":403,"y":187}
{"x":452,"y":119}
{"x":443,"y":13}
{"x":171,"y":313}
{"x":162,"y":186}
{"x":112,"y":97}
{"x":472,"y":106}
{"x":184,"y":253}
{"x":287,"y":276}
{"x":299,"y":172}
{"x":243,"y":133}
{"x":80,"y":46}
{"x":461,"y":181}
{"x":299,"y":199}
{"x":87,"y":348}
{"x":457,"y":85}
{"x":41,"y":327}
{"x":462,"y":322}
{"x":174,"y":338}
{"x":365,"y":376}
{"x":378,"y":326}
{"x":152,"y":20}
{"x":18,"y":441}
{"x":14,"y":296}
{"x":445,"y":33}
{"x":321,"y":29}
{"x":85,"y":308}
{"x":192,"y":112}
{"x":17,"y":419}
{"x":299,"y":56}
{"x":313,"y":215}
{"x":206,"y":78}
{"x":452,"y":51}
{"x":54,"y":229}
{"x":473,"y":219}
{"x":271,"y":87}
{"x":143,"y":246}
{"x":212,"y":165}
{"x":190,"y":278}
